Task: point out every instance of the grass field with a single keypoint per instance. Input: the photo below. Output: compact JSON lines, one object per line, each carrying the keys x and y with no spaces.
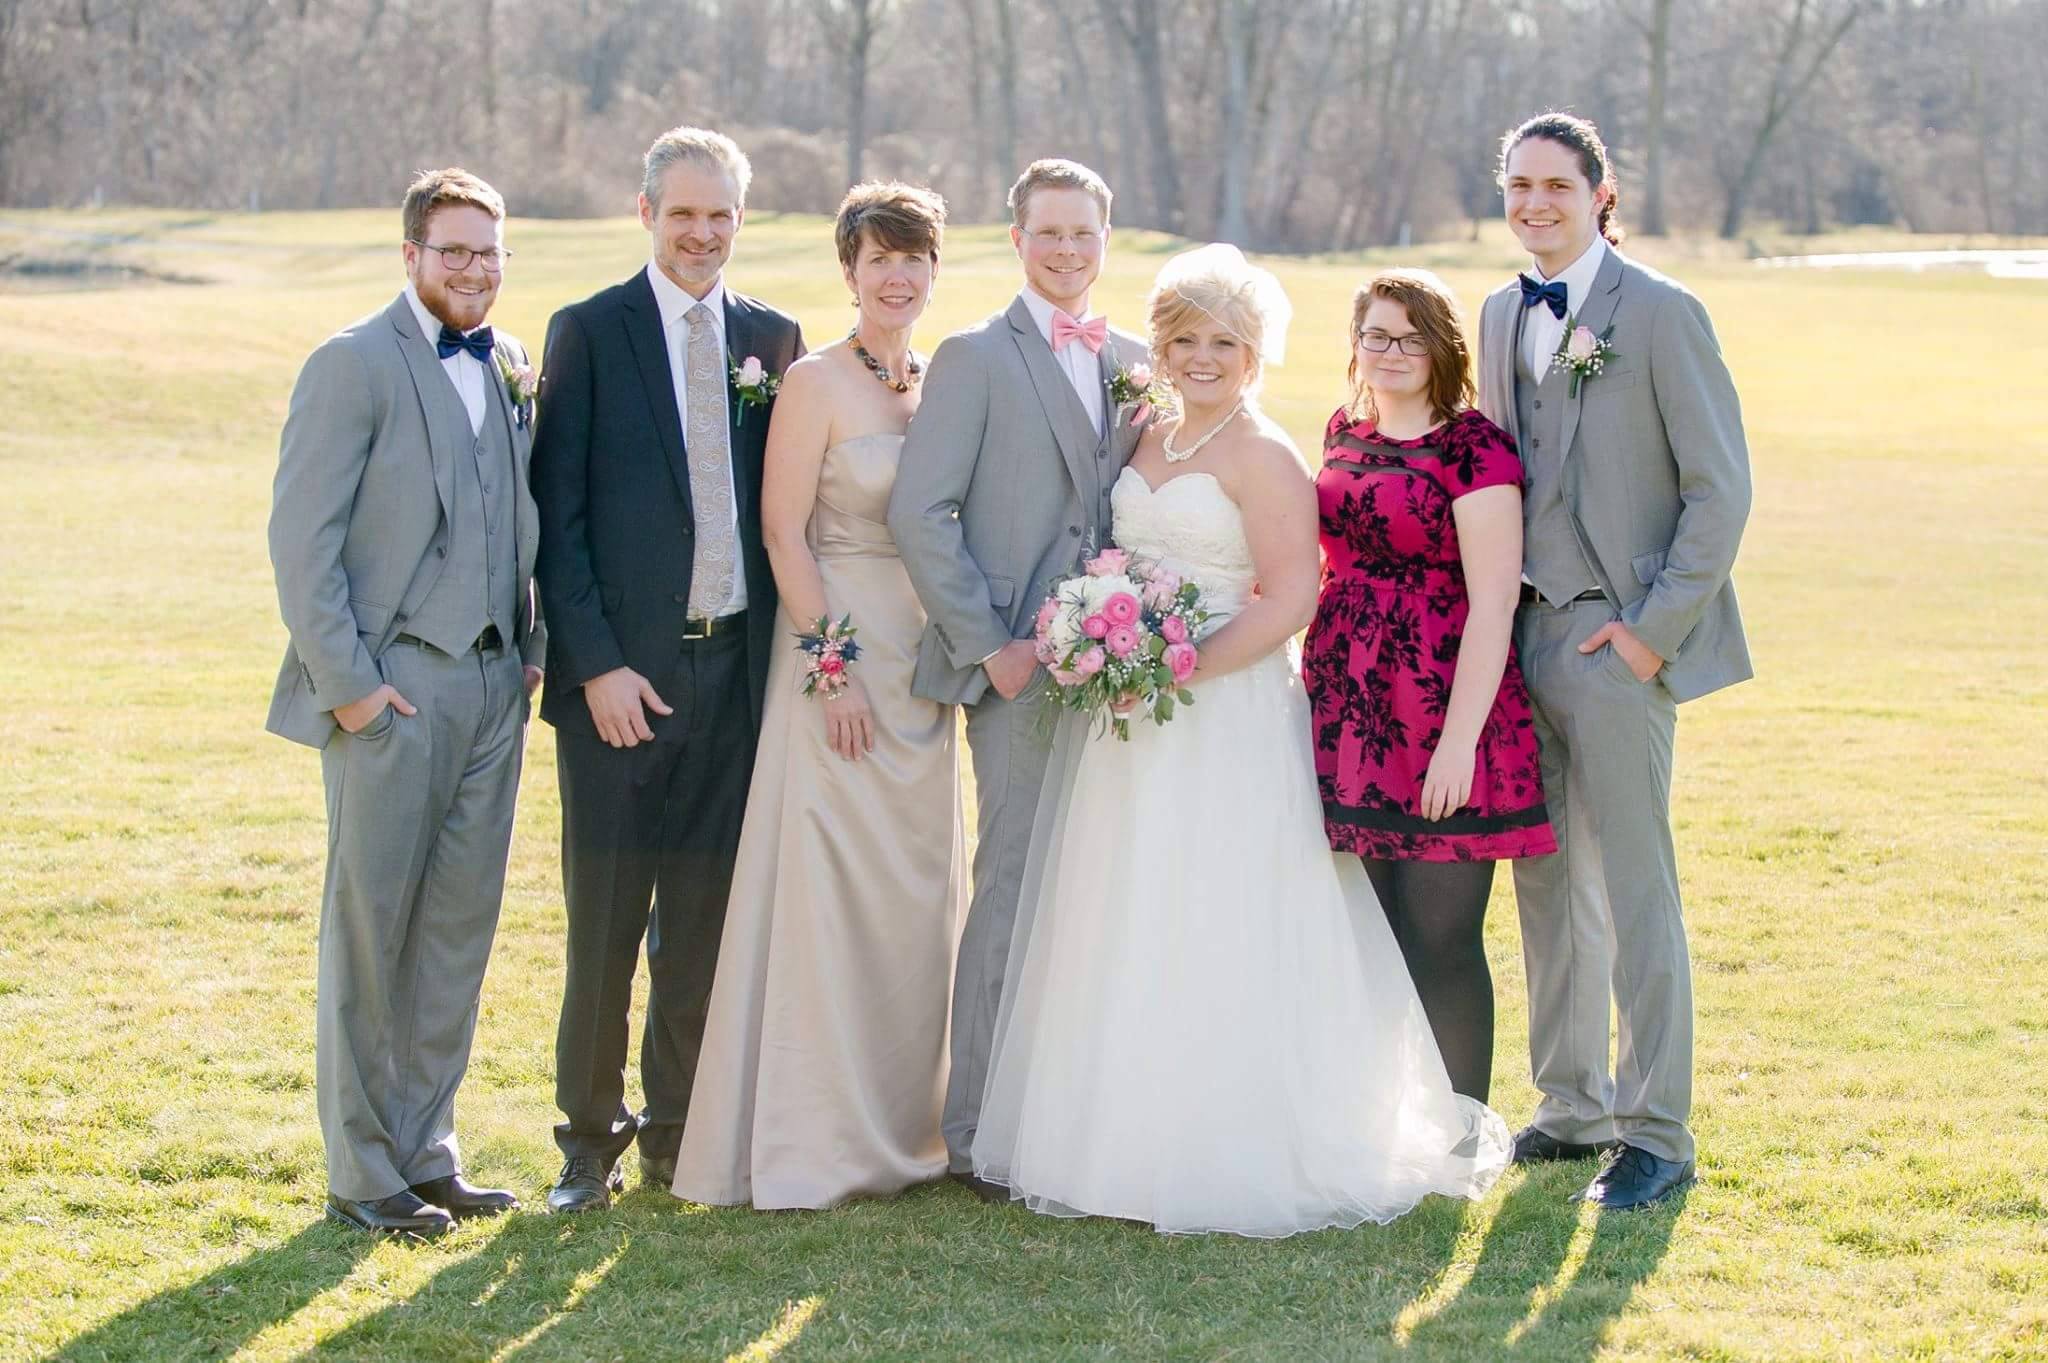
{"x":1862,"y":831}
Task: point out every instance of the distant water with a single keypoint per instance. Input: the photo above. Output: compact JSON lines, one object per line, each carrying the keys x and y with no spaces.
{"x":1997,"y":264}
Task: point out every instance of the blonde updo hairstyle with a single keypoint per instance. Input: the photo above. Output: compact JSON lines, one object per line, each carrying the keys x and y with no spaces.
{"x":1209,"y":293}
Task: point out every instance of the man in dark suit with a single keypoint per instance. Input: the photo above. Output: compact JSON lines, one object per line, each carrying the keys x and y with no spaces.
{"x":647,"y":468}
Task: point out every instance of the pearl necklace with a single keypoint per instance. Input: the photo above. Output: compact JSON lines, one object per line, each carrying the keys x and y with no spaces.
{"x":1174,"y":456}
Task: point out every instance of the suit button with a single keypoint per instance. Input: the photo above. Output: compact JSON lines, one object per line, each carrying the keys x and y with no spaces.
{"x":1074,"y":530}
{"x":1539,"y":404}
{"x":1537,"y":443}
{"x":681,"y":599}
{"x":441,"y":551}
{"x":399,"y":618}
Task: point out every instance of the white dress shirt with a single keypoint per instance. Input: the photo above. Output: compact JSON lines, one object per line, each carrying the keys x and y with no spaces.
{"x":463,"y":369}
{"x":1076,"y":361}
{"x":675,"y":305}
{"x":1542,"y":332}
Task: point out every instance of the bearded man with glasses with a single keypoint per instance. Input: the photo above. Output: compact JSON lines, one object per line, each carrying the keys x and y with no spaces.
{"x":403,"y":535}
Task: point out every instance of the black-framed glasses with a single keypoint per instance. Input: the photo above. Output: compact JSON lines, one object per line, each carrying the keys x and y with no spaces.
{"x":492,"y":258}
{"x":1378,"y":342}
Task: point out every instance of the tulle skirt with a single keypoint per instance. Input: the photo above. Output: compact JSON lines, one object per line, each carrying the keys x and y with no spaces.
{"x":1206,"y":1022}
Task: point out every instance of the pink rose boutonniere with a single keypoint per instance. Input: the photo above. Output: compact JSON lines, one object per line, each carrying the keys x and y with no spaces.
{"x":753,"y":385}
{"x":522,"y":386}
{"x":1134,"y":388}
{"x":1583,"y":352}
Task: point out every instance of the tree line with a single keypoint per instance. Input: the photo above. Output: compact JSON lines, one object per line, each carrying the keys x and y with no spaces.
{"x":1278,"y":124}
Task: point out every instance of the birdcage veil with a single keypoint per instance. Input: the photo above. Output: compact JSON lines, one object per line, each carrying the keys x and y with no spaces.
{"x":1225,"y":286}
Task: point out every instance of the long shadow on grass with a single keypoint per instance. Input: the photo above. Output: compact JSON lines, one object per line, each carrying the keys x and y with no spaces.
{"x":1513,"y":1305}
{"x":216,"y":1315}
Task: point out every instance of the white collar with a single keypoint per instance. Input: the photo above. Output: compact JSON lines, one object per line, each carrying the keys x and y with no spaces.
{"x":675,"y":303}
{"x":1578,"y":276}
{"x":430,"y":325}
{"x":1042,"y":309}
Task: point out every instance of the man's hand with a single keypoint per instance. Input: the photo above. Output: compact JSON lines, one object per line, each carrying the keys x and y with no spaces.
{"x":533,"y":676}
{"x":356,"y":715}
{"x":616,"y":699}
{"x":1641,"y":659}
{"x":1011,"y":668}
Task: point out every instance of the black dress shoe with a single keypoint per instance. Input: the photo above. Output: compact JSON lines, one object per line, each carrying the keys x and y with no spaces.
{"x":658,"y":1173}
{"x":1636,"y":1178}
{"x":586,"y":1183}
{"x":462,"y":1199}
{"x":981,"y":1187}
{"x":399,"y":1214}
{"x":1536,"y":1146}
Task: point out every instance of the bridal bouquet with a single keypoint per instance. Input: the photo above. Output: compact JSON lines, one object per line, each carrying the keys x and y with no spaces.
{"x":1122,"y":631}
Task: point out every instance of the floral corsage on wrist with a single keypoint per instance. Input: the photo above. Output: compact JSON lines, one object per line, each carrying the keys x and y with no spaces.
{"x":522,"y":386}
{"x":829,"y":647}
{"x":752,"y":384}
{"x":1135,"y":389}
{"x":1583,"y":353}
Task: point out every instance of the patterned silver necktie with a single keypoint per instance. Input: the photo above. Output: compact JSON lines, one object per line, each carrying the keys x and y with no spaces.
{"x":709,"y":448}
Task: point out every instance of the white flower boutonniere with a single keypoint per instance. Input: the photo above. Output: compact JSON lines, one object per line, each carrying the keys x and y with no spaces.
{"x":1134,"y":388}
{"x":1583,"y":353}
{"x":753,"y":385}
{"x":522,"y":386}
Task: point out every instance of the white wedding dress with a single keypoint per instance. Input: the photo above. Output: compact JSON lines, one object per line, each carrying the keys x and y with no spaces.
{"x":1206,"y":1023}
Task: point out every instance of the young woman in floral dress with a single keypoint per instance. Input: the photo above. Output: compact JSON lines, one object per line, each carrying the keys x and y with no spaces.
{"x":1425,"y":753}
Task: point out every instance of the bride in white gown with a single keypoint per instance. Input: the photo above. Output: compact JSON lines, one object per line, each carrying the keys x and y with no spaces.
{"x":1206,"y":1023}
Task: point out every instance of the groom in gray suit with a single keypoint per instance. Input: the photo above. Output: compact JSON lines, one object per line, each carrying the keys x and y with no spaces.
{"x":1638,"y":488}
{"x":1002,"y":489}
{"x":403,"y":537}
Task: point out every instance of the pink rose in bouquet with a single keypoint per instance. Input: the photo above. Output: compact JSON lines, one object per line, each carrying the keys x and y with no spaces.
{"x":1108,"y":563}
{"x":1119,"y":640}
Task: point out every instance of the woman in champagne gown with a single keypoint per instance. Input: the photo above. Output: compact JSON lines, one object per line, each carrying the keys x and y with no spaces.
{"x":1207,"y":1025}
{"x":823,"y":1065}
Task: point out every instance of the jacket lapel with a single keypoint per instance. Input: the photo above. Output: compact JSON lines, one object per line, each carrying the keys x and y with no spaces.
{"x":440,"y":405}
{"x":1499,"y":366}
{"x":1070,"y":424}
{"x":1596,"y":314}
{"x":649,"y":344}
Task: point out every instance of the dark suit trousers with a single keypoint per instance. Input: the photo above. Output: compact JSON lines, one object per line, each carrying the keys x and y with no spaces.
{"x":660,"y":821}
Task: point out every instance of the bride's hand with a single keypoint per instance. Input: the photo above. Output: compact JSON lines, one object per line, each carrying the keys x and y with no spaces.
{"x":849,"y":722}
{"x":1123,"y":708}
{"x":1448,"y":785}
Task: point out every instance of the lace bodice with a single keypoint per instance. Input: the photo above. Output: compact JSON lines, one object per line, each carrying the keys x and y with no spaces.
{"x":1192,"y":527}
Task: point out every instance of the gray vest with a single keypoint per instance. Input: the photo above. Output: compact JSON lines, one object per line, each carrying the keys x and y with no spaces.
{"x":1551,"y":556}
{"x":478,"y":585}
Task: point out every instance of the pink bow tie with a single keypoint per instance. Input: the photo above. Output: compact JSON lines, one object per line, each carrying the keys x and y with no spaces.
{"x":1091,"y":333}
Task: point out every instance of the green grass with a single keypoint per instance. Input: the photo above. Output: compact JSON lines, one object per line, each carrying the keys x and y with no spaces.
{"x":1862,"y":831}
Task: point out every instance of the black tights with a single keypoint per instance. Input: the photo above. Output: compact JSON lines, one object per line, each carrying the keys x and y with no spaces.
{"x":1437,"y":910}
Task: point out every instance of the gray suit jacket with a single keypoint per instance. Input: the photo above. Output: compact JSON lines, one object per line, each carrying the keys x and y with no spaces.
{"x":999,"y":490}
{"x":1656,"y":472}
{"x":359,"y":517}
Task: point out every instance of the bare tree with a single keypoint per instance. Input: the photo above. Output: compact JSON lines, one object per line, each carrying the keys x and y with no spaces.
{"x":1796,"y":64}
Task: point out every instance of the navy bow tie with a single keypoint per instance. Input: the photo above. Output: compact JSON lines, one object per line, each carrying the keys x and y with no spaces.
{"x":1552,"y":293}
{"x":480,"y":342}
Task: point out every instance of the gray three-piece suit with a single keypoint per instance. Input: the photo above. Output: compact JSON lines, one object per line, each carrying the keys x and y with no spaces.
{"x":403,"y":539}
{"x":1002,"y":488}
{"x":1638,"y":489}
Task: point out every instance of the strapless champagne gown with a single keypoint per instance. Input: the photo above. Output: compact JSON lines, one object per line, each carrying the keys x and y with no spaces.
{"x":823,"y":1066}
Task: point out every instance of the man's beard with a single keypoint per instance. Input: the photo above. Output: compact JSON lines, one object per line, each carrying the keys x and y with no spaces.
{"x":453,"y":310}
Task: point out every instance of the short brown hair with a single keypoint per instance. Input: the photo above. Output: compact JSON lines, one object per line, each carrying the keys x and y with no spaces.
{"x":899,"y":217}
{"x":1055,"y":173}
{"x":433,"y":189}
{"x":1434,"y":312}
